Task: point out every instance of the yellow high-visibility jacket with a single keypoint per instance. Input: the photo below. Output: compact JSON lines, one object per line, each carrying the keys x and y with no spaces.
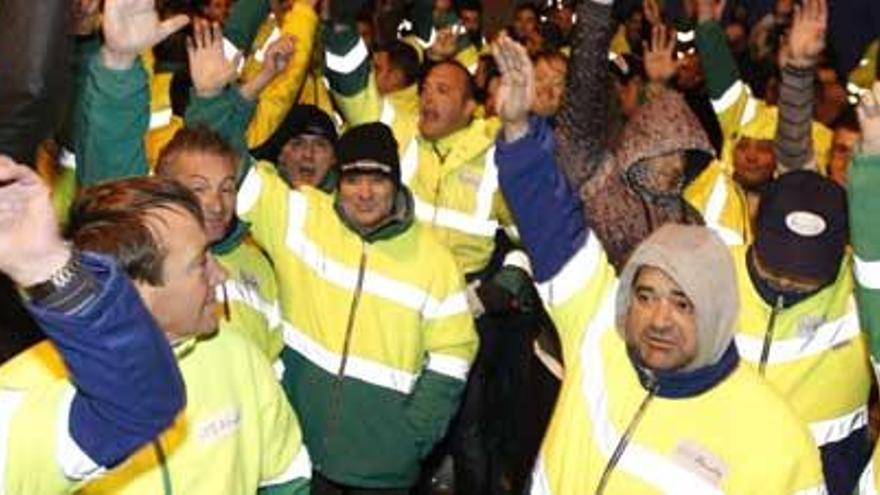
{"x":378,"y":334}
{"x":738,"y":437}
{"x":818,"y":356}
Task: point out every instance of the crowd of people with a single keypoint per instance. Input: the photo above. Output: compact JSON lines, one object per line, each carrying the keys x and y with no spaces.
{"x":374,"y":247}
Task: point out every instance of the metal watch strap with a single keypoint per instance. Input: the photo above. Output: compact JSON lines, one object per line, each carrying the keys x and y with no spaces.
{"x":66,"y":282}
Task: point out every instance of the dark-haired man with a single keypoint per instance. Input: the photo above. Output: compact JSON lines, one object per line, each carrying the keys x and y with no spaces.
{"x":369,"y":88}
{"x":303,"y":148}
{"x":378,"y":335}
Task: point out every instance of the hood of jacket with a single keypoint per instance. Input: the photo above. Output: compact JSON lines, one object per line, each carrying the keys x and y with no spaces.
{"x":619,"y":208}
{"x":664,"y":125}
{"x":699,"y":262}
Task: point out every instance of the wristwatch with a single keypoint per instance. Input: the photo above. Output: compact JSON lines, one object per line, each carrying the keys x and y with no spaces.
{"x":64,"y":280}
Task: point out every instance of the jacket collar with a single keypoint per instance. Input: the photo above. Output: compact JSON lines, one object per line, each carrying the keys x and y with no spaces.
{"x":685,"y":384}
{"x":233,"y":239}
{"x":462,"y":144}
{"x":768,"y":293}
{"x":401,"y":218}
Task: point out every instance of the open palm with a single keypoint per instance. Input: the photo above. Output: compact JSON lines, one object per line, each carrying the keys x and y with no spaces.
{"x":132,"y":26}
{"x":517,"y":88}
{"x":28,"y":229}
{"x":807,"y":37}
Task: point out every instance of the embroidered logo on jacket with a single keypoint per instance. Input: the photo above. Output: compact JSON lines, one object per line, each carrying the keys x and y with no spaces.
{"x":219,"y":426}
{"x":470,"y":178}
{"x":698,"y":460}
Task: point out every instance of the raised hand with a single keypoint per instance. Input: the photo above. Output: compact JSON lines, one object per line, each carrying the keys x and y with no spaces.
{"x":652,"y":12}
{"x":31,"y":248}
{"x":132,"y":26}
{"x":444,"y":46}
{"x":709,"y":10}
{"x":278,"y":55}
{"x":209,"y":68}
{"x":869,"y":118}
{"x":806,"y":40}
{"x":517,"y":86}
{"x":660,"y":61}
{"x":275,"y":59}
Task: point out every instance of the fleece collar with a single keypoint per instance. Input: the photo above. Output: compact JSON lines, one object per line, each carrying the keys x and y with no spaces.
{"x":685,"y":384}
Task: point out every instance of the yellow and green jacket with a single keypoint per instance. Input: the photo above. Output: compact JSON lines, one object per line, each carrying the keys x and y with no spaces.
{"x":723,"y":204}
{"x":250,"y":291}
{"x":699,"y":444}
{"x":163,"y":123}
{"x":455,"y":186}
{"x":863,"y":187}
{"x":818,"y":355}
{"x":237,"y":434}
{"x":349,"y":71}
{"x":285,"y":90}
{"x":739,"y":113}
{"x":38,"y":453}
{"x":378,"y":334}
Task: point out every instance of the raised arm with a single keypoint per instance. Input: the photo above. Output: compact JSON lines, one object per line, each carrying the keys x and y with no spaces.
{"x":582,"y":125}
{"x":114,"y":107}
{"x":729,"y":94}
{"x":299,"y":27}
{"x":348,"y":69}
{"x":864,"y":203}
{"x":804,"y":44}
{"x":217,"y":102}
{"x":530,"y":180}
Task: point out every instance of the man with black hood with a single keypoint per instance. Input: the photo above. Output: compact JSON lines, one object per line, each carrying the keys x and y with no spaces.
{"x":303,"y":148}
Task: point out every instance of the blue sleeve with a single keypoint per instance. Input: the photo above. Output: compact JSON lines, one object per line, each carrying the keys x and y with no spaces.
{"x":128,"y":386}
{"x":548,"y":213}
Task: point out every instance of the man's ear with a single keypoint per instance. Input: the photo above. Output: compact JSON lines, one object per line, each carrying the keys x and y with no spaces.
{"x":470,"y":107}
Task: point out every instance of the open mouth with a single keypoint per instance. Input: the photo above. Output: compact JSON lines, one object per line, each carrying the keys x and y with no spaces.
{"x":428,"y":114}
{"x":307,"y":171}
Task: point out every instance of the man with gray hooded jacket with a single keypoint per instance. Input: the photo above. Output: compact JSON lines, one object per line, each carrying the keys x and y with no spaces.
{"x":655,"y":399}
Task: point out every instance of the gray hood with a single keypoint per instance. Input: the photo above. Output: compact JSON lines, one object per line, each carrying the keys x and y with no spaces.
{"x":696,"y":259}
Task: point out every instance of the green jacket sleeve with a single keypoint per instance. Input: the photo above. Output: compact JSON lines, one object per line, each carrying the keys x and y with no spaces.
{"x":113,"y":115}
{"x":864,"y":203}
{"x":729,"y":95}
{"x":83,"y":50}
{"x":451,"y":343}
{"x":423,"y":19}
{"x":244,"y":21}
{"x":228,"y":114}
{"x":432,"y":405}
{"x":718,"y":62}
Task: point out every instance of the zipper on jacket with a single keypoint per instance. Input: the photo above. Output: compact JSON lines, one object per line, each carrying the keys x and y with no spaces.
{"x":163,"y":466}
{"x":625,"y":439}
{"x":336,"y":398}
{"x":768,"y":335}
{"x":435,"y":202}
